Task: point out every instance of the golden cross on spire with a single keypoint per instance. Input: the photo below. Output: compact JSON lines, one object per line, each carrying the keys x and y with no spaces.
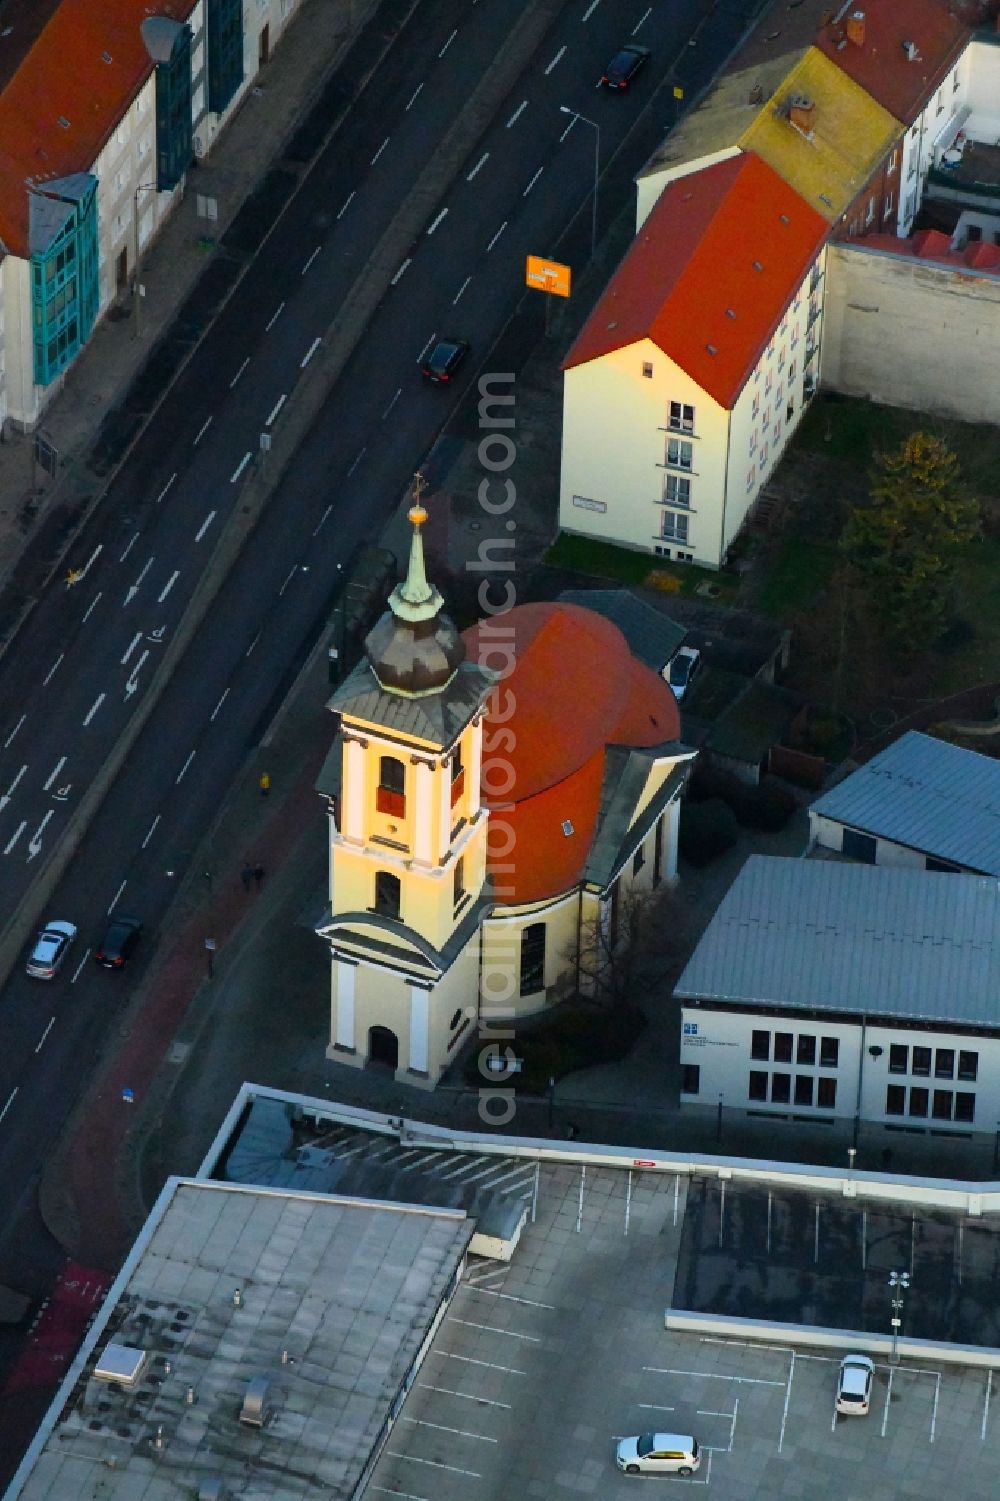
{"x":419,"y":485}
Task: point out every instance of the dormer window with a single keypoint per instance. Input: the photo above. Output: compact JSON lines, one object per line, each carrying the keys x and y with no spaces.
{"x":391,"y":795}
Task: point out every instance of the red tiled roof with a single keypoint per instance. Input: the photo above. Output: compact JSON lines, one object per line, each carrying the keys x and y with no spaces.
{"x":575,"y":688}
{"x":65,"y":76}
{"x":878,"y":61}
{"x":709,"y":274}
{"x":934,"y":245}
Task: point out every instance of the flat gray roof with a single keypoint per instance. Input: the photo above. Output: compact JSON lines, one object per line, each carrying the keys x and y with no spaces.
{"x":336,"y":1298}
{"x":907,"y":944}
{"x":928,"y":795}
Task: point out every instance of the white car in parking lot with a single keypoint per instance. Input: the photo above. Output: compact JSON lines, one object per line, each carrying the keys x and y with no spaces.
{"x":854,"y":1388}
{"x":658,"y":1454}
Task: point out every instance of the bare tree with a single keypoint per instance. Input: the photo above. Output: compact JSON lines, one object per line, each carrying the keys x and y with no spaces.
{"x":633,"y":946}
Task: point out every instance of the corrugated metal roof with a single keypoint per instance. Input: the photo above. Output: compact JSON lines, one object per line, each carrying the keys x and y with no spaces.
{"x":928,"y":795}
{"x":907,"y":944}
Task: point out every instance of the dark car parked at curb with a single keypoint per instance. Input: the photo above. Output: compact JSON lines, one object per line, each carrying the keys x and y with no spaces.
{"x":624,"y":66}
{"x":120,"y":938}
{"x":443,"y":360}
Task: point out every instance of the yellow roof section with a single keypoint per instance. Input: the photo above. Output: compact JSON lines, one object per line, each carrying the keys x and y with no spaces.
{"x":822,"y":133}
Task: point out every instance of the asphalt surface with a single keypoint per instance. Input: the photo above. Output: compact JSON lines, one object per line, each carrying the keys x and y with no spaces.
{"x":85,"y":660}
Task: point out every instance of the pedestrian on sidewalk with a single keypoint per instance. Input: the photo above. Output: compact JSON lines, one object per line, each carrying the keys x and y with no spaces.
{"x":264,"y":784}
{"x":258,"y":875}
{"x":246,"y":876}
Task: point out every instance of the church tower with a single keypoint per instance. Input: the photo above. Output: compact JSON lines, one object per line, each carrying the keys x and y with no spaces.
{"x":407,"y":836}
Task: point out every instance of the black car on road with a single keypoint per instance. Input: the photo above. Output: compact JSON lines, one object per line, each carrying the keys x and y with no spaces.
{"x":120,"y":938}
{"x":624,"y":66}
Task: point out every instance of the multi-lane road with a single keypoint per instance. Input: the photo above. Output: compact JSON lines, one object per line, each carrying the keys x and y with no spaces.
{"x":85,"y":659}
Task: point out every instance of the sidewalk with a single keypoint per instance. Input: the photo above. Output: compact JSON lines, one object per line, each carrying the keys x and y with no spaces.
{"x":37,"y":526}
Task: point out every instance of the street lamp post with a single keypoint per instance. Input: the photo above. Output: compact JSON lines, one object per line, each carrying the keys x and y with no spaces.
{"x":144,"y":187}
{"x":899,"y":1283}
{"x":565,"y":110}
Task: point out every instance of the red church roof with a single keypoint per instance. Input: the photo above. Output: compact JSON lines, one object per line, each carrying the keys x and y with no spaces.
{"x":575,"y":689}
{"x":73,"y":86}
{"x":709,"y":274}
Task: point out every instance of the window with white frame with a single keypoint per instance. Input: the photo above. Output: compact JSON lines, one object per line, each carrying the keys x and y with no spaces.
{"x":753,"y":440}
{"x":791,"y":374}
{"x":681,"y":417}
{"x":887,"y":207}
{"x":751,"y":478}
{"x":763,"y":456}
{"x":755,"y":409}
{"x":781,"y":358}
{"x":674,"y":527}
{"x":765,"y":419}
{"x":767,"y":384}
{"x":894,"y":158}
{"x":870,"y":210}
{"x":676,"y":490}
{"x":680,"y":454}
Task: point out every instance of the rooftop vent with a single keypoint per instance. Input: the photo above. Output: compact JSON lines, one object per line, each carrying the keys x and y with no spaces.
{"x":757,"y":265}
{"x":122,"y":1363}
{"x":106,"y":57}
{"x":256,"y":1409}
{"x":64,"y":122}
{"x":856,"y":28}
{"x":912,"y":52}
{"x":784,"y":219}
{"x":711,"y":349}
{"x":567,"y":828}
{"x":802,"y":113}
{"x":730,"y":312}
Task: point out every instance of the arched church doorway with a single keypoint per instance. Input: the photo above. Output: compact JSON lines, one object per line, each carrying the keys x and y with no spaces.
{"x":383,"y":1047}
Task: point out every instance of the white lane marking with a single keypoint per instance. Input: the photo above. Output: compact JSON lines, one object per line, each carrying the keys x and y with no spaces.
{"x":92,"y":559}
{"x":166,"y":487}
{"x":133,"y":681}
{"x":532,"y":1339}
{"x":402,"y":268}
{"x":41,"y":1041}
{"x":390,"y":406}
{"x":98,"y":701}
{"x":309,"y":262}
{"x":479,"y":166}
{"x":133,"y":589}
{"x":281,"y":306}
{"x":379,"y":152}
{"x":644,"y":17}
{"x":448,"y":43}
{"x":184,"y":768}
{"x":239,"y":372}
{"x":10,"y":1101}
{"x":517,"y":113}
{"x":291,"y":574}
{"x":460,"y":290}
{"x":244,"y":461}
{"x":986,"y":1405}
{"x":400,"y":1495}
{"x":52,"y":774}
{"x":569,"y":127}
{"x":218,"y":706}
{"x":357,"y":461}
{"x":491,"y":1292}
{"x":10,"y":790}
{"x":413,"y":97}
{"x":253,"y":643}
{"x":322,"y":519}
{"x":204,"y":526}
{"x":202,"y":431}
{"x":131,"y":647}
{"x":531,"y":184}
{"x":447,"y":1391}
{"x":343,"y":211}
{"x":443,"y":1428}
{"x":15,"y":836}
{"x":556,"y":59}
{"x":79,"y":968}
{"x":275,"y":410}
{"x":171,"y":581}
{"x":309,"y":354}
{"x":132,"y":542}
{"x":114,"y":899}
{"x":433,"y":1464}
{"x":788,"y":1398}
{"x":442,"y":215}
{"x":590,"y":10}
{"x":35,"y":842}
{"x":14,"y":731}
{"x":496,"y":236}
{"x":152,"y":830}
{"x":653,"y":1407}
{"x":52,"y":670}
{"x":427,"y":346}
{"x":491,"y":1365}
{"x":90,"y":608}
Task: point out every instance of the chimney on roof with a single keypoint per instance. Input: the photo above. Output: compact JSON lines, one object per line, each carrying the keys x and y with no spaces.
{"x":802,"y":113}
{"x":856,"y":28}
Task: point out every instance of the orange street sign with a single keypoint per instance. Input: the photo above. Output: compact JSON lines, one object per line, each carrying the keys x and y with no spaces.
{"x":548,"y":276}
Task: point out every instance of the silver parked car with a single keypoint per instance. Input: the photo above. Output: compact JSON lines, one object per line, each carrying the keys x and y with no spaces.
{"x":658,"y":1454}
{"x":854,"y":1388}
{"x":51,"y":947}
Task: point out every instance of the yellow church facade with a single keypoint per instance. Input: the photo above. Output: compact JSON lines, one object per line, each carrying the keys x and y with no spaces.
{"x":489,"y":814}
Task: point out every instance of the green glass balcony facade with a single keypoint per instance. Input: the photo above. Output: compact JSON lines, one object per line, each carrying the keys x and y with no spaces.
{"x":64,"y":275}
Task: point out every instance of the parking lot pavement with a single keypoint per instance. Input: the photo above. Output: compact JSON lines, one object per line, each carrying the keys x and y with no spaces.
{"x":540,"y":1365}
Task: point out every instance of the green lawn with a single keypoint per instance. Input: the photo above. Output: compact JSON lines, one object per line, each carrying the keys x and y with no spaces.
{"x":622,"y":565}
{"x":799,"y":572}
{"x":978,"y":602}
{"x":858,"y":430}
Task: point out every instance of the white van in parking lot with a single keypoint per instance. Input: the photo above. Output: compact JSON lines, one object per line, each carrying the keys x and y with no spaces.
{"x":658,"y":1454}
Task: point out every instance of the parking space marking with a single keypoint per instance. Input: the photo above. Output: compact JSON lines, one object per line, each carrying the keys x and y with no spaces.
{"x":490,"y":1365}
{"x":465,"y":1396}
{"x":490,"y":1292}
{"x":788,"y":1398}
{"x":402,"y":1495}
{"x":986,"y":1404}
{"x":434,"y":1464}
{"x":659,"y":1370}
{"x":533,"y":1339}
{"x":652,"y":1407}
{"x":481,"y":1438}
